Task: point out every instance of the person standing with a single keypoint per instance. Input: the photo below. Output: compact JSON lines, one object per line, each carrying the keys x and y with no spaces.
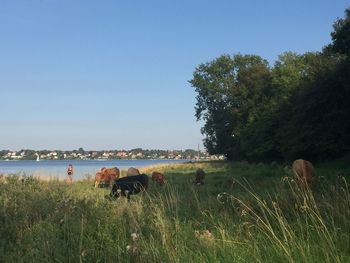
{"x":70,"y":174}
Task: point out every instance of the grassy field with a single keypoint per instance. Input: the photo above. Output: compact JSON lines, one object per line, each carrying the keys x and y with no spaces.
{"x":243,"y":213}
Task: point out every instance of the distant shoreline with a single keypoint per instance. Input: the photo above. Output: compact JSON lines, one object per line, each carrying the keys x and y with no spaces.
{"x":43,"y":160}
{"x":58,"y":168}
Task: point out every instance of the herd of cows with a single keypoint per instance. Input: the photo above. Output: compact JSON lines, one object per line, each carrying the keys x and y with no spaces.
{"x":135,"y":182}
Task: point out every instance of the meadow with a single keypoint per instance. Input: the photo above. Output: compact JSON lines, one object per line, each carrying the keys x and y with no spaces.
{"x":243,"y":213}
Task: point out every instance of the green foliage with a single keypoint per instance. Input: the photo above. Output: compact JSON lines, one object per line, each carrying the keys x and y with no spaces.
{"x":231,"y":91}
{"x":341,"y":35}
{"x":297,"y":109}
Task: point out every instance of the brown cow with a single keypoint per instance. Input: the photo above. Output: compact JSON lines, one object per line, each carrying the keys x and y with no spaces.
{"x":158,"y":178}
{"x":132,"y":171}
{"x":199,"y":176}
{"x":303,"y":171}
{"x":107,"y":176}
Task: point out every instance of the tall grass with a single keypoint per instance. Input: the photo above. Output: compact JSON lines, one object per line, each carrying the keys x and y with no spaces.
{"x":244,"y":213}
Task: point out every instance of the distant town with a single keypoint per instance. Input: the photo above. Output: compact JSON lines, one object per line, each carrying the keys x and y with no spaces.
{"x":81,"y":154}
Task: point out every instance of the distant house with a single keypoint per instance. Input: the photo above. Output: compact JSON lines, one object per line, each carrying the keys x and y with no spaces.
{"x":121,"y":154}
{"x":105,"y":155}
{"x":140,"y":154}
{"x":179,"y":156}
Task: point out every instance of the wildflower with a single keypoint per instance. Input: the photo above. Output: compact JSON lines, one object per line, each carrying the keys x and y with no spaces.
{"x":244,"y":212}
{"x":220,"y":197}
{"x":131,"y":249}
{"x":134,"y":236}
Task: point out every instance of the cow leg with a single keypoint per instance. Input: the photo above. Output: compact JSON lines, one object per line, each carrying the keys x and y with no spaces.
{"x":112,"y":195}
{"x":127,"y":194}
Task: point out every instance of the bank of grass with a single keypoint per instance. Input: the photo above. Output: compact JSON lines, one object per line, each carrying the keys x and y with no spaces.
{"x":244,"y":213}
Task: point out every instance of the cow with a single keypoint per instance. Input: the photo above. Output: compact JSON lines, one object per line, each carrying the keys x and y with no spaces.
{"x":303,"y":171}
{"x":199,"y":177}
{"x":158,"y":178}
{"x":129,"y":185}
{"x":106,"y":176}
{"x":132,"y":171}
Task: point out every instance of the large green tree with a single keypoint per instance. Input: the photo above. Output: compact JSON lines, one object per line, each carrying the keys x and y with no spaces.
{"x":231,"y":90}
{"x":300,"y":108}
{"x":265,"y":138}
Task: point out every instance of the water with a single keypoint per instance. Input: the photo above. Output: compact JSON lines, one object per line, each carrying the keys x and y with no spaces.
{"x":82,"y":168}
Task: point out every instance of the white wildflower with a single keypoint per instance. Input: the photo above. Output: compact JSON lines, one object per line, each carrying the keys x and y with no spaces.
{"x":134,"y":236}
{"x":244,"y":212}
{"x":132,"y":249}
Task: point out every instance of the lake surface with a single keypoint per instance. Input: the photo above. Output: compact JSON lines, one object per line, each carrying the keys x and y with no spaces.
{"x":82,"y":168}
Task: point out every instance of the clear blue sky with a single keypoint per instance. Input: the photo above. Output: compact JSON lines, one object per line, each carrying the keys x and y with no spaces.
{"x":114,"y":74}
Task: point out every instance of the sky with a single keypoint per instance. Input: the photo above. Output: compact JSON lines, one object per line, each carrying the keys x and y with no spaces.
{"x":109,"y":74}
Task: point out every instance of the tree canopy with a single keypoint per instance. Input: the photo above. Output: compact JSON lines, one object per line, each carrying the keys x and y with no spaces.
{"x":230,"y":91}
{"x":298,"y":108}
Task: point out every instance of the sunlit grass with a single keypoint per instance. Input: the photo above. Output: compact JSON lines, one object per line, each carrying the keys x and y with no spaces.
{"x":243,"y":213}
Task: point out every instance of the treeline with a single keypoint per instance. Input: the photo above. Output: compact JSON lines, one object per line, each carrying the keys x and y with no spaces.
{"x":297,"y":108}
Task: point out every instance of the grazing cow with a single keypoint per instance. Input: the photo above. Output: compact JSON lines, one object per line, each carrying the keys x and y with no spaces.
{"x":129,"y":185}
{"x":199,"y":177}
{"x":303,"y":171}
{"x":132,"y":171}
{"x":158,"y":178}
{"x":106,"y":176}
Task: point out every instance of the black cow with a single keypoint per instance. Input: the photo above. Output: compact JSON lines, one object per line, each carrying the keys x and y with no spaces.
{"x":129,"y":185}
{"x":199,"y":177}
